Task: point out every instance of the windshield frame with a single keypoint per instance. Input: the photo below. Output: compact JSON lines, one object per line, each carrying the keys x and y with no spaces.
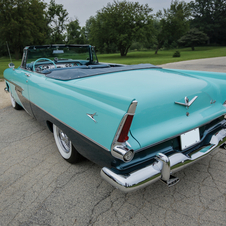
{"x":28,"y":49}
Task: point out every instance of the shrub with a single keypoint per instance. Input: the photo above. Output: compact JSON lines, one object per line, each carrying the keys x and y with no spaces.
{"x":136,"y":46}
{"x":176,"y":54}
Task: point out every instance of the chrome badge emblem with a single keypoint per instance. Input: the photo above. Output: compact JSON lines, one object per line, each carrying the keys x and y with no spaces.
{"x":92,"y":116}
{"x":187,"y":103}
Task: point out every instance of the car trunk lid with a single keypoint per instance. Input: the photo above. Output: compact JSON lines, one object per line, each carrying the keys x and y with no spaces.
{"x":157,"y":116}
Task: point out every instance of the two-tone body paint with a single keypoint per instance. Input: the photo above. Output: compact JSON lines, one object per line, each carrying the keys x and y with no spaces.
{"x":69,"y":104}
{"x":157,"y":116}
{"x":156,"y":119}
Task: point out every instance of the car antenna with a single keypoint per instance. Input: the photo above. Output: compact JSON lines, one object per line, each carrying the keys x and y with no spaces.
{"x":9,"y":51}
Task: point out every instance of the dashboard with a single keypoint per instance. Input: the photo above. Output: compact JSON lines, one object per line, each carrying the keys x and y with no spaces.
{"x":43,"y":67}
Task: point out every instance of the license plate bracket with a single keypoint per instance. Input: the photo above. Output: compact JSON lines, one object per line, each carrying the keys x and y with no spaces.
{"x":189,"y":138}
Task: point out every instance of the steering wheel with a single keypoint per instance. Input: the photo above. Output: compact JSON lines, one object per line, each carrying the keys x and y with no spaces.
{"x":43,"y":59}
{"x":77,"y":62}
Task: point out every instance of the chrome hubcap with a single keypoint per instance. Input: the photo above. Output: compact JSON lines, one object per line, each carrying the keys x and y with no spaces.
{"x":65,"y":142}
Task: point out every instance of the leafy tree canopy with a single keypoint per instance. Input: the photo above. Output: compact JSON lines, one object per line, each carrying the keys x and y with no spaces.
{"x":119,"y":24}
{"x":57,"y":17}
{"x":75,"y":34}
{"x":172,"y":23}
{"x":22,"y":23}
{"x":193,"y":38}
{"x":209,"y":17}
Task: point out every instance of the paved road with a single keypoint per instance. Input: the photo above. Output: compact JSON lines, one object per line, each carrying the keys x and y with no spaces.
{"x":217,"y":64}
{"x":37,"y":187}
{"x":4,"y":97}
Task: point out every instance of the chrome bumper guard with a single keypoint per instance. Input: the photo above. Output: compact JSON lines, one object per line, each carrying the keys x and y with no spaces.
{"x":161,"y":168}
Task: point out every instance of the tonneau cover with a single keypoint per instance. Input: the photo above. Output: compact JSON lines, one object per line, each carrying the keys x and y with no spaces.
{"x":91,"y":70}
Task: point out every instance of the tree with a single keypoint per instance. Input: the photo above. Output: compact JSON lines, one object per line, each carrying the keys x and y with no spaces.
{"x":172,"y":23}
{"x":119,"y":24}
{"x":22,"y":23}
{"x":75,"y":34}
{"x":193,"y":38}
{"x":209,"y":17}
{"x":57,"y":17}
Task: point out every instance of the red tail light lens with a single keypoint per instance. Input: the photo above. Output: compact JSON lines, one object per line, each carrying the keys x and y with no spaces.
{"x":123,"y":136}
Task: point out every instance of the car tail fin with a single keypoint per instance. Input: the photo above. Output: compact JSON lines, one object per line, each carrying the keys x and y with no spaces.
{"x":119,"y":147}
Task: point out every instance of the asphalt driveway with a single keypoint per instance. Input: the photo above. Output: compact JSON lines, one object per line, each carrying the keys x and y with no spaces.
{"x":37,"y":187}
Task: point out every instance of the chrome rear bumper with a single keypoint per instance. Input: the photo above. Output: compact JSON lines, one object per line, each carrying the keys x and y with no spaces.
{"x":161,"y":168}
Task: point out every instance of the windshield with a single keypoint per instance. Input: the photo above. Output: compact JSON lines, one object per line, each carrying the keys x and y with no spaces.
{"x":59,"y":53}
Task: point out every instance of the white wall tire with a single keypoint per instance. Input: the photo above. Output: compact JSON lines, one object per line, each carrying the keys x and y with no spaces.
{"x":15,"y":105}
{"x":65,"y":147}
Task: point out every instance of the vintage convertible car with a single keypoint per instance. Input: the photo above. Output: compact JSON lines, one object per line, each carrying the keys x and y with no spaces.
{"x":140,"y":123}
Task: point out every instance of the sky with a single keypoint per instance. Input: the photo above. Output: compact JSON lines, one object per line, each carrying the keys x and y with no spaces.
{"x":83,"y":9}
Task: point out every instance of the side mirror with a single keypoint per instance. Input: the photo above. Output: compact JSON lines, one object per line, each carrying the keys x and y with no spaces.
{"x":11,"y":65}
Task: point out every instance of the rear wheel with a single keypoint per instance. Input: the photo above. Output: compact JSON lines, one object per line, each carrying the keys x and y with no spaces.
{"x":65,"y":147}
{"x":15,"y":105}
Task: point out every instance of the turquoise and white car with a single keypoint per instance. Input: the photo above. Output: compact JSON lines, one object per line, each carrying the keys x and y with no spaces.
{"x":140,"y":123}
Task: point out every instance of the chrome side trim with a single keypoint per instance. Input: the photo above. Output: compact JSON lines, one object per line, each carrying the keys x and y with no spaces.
{"x":61,"y":121}
{"x":19,"y":90}
{"x":14,"y":84}
{"x":159,"y":169}
{"x":72,"y":128}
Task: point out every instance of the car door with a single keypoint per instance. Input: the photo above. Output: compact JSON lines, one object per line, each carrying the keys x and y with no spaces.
{"x":21,"y":80}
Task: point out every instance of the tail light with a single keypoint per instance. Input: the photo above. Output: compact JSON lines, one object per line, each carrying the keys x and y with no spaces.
{"x":123,"y":136}
{"x":119,"y":148}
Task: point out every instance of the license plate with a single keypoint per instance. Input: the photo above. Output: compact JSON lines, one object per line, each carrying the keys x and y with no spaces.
{"x":190,"y":138}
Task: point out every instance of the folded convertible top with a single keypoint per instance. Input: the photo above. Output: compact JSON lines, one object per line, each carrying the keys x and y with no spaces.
{"x":91,"y":70}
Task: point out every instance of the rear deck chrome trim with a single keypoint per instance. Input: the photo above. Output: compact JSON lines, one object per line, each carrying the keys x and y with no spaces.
{"x":177,"y":135}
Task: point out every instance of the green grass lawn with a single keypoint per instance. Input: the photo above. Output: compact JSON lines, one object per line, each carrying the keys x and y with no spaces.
{"x":138,"y":57}
{"x":4,"y":64}
{"x":164,"y":56}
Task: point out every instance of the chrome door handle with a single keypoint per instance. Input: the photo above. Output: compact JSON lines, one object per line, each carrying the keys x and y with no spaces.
{"x":28,"y":75}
